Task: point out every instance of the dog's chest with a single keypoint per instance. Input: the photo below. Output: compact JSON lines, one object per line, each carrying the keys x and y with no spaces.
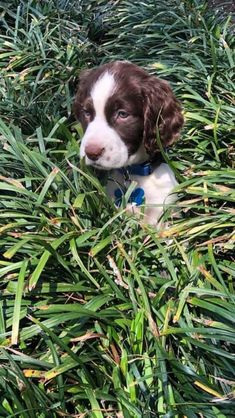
{"x":152,"y":190}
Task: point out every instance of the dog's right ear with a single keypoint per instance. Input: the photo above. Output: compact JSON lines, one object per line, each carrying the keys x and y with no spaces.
{"x":81,"y":93}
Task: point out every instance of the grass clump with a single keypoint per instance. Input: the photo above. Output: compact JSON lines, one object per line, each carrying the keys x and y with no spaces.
{"x":101,"y":316}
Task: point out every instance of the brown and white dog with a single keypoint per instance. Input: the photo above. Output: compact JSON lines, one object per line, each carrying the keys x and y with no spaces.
{"x":120,"y":107}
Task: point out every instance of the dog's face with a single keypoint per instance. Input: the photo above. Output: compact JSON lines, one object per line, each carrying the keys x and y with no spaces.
{"x":119,"y":106}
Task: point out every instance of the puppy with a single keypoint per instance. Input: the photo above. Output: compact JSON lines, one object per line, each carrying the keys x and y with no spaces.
{"x":121,"y":107}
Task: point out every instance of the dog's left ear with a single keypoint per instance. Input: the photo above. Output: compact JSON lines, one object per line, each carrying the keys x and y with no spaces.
{"x":162,"y":111}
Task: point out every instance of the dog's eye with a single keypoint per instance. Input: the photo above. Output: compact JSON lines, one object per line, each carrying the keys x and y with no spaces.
{"x":122,"y":114}
{"x":86,"y":113}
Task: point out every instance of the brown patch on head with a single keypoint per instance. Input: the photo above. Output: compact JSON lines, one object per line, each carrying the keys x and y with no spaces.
{"x":124,"y":113}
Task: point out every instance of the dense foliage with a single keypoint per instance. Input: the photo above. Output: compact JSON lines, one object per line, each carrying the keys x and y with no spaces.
{"x":101,"y":316}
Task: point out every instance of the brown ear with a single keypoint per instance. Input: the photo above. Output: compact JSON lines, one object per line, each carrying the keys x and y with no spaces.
{"x":163,"y":112}
{"x":81,"y":91}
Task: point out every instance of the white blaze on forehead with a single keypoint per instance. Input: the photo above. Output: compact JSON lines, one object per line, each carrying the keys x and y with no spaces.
{"x":101,"y":91}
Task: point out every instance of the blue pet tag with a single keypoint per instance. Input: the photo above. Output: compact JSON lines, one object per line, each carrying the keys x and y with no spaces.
{"x":137,"y":196}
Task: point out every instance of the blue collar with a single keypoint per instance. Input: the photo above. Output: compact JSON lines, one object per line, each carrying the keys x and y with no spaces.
{"x":143,"y":169}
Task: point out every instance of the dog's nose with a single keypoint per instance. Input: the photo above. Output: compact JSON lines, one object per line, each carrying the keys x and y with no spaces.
{"x":93,"y":152}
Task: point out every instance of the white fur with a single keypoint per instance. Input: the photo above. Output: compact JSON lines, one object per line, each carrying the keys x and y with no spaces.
{"x":101,"y":91}
{"x":157,"y":187}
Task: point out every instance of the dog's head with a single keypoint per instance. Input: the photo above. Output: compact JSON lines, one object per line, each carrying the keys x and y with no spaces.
{"x":120,"y":107}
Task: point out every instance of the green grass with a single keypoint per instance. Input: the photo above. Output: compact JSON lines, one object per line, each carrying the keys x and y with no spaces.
{"x":101,"y":316}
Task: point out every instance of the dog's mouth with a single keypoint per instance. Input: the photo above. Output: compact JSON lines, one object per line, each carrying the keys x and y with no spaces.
{"x":103,"y":166}
{"x":99,"y":166}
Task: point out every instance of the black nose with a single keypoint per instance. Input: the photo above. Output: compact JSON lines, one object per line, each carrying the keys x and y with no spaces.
{"x":93,"y":152}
